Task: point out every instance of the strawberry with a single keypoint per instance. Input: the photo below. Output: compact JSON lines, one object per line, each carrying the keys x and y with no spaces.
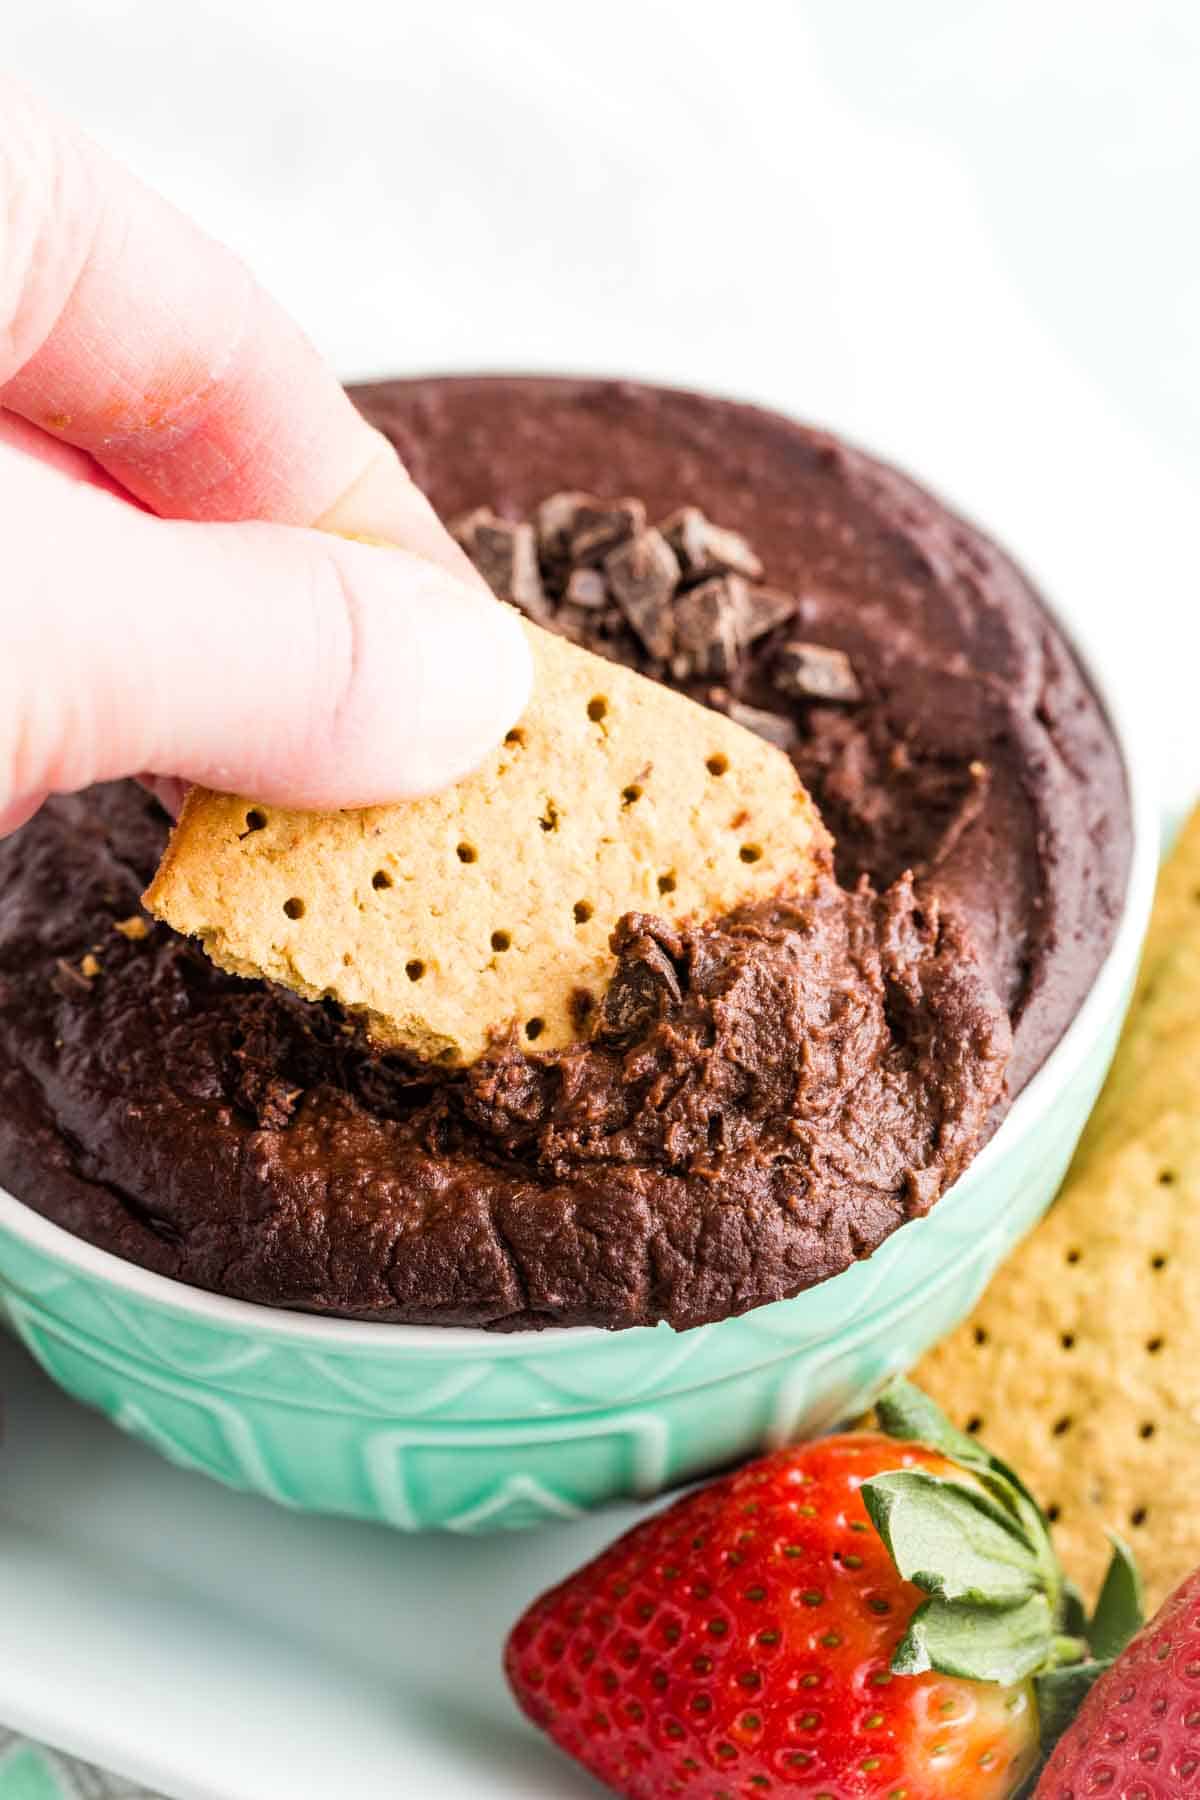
{"x":1137,"y":1734}
{"x":878,"y":1615}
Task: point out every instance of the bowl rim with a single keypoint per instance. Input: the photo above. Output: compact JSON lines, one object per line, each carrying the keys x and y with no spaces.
{"x":1099,"y":657}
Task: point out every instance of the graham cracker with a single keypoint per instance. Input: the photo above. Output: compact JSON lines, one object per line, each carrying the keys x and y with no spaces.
{"x":1081,"y":1364}
{"x":447,"y":919}
{"x":1156,"y":1069}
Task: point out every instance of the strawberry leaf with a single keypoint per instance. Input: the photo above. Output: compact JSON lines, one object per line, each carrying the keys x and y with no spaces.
{"x":1060,"y":1693}
{"x":904,"y":1411}
{"x":978,"y":1643}
{"x":952,"y":1541}
{"x":1119,"y":1610}
{"x":1072,"y":1617}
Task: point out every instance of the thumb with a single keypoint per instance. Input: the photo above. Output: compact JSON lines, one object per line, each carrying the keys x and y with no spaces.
{"x":268,"y":660}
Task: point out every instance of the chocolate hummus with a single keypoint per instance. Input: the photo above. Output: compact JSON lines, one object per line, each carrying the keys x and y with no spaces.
{"x":759,"y":1101}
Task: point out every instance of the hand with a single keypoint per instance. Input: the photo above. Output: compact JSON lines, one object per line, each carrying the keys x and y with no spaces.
{"x":167,"y":436}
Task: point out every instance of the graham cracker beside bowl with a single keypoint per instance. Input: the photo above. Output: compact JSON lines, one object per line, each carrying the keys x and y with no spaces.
{"x":1081,"y":1365}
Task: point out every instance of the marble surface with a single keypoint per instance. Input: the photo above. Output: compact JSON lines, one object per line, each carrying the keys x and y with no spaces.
{"x":959,"y":232}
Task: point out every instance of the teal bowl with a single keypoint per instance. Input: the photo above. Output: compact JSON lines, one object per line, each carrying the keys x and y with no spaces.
{"x":465,"y":1430}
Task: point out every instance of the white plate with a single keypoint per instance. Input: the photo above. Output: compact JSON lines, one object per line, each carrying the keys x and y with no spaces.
{"x":217,"y":1647}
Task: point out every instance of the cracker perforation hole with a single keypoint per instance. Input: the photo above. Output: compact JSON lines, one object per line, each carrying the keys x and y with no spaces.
{"x":515,"y":739}
{"x":667,"y":883}
{"x":1054,"y":1512}
{"x":630,"y":795}
{"x":501,"y":940}
{"x":1154,"y":1345}
{"x":294,"y":908}
{"x":1147,"y":1429}
{"x":256,"y":820}
{"x":717,"y":765}
{"x":583,"y":911}
{"x":381,"y":881}
{"x":1166,"y":1177}
{"x":534,"y":1028}
{"x":549,"y":819}
{"x":466,"y":853}
{"x":597,"y":708}
{"x":1074,"y":1255}
{"x":751,"y":853}
{"x":1067,"y":1340}
{"x":1138,"y":1516}
{"x":414,"y":969}
{"x":981,"y":1336}
{"x":1063,"y":1425}
{"x":974,"y":1425}
{"x":1158,"y":1261}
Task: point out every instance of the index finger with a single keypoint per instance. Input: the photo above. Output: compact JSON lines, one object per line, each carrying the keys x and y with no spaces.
{"x":127,"y":331}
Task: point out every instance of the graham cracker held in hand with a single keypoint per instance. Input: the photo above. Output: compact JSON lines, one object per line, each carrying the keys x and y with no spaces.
{"x":1081,"y":1365}
{"x":448,"y":919}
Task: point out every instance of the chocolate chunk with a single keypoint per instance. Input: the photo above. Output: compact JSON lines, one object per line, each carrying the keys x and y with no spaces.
{"x":706,"y":628}
{"x":556,"y":518}
{"x":760,"y":610}
{"x":506,"y":556}
{"x":463,"y":528}
{"x":646,"y":984}
{"x":707,"y":549}
{"x":775,"y":727}
{"x":815,"y":672}
{"x":601,"y":525}
{"x":643,"y":575}
{"x":586,"y":588}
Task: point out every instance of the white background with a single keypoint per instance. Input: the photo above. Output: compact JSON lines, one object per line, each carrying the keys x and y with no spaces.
{"x":964,"y":231}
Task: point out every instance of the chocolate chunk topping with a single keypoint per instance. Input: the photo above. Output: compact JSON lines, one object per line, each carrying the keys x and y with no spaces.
{"x":680,"y":598}
{"x":586,"y":588}
{"x":706,"y":628}
{"x":643,"y":575}
{"x":760,"y":610}
{"x":777,"y":728}
{"x":646,"y":985}
{"x":600,"y":525}
{"x":506,"y":556}
{"x":813,"y":672}
{"x":707,"y":549}
{"x":556,"y":518}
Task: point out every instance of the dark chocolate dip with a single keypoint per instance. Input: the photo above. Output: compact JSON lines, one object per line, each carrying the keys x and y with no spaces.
{"x":763,"y":1099}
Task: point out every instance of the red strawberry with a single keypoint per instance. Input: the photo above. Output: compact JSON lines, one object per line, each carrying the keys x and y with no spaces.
{"x":1137,"y":1734}
{"x":740,"y":1644}
{"x":876,"y":1616}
